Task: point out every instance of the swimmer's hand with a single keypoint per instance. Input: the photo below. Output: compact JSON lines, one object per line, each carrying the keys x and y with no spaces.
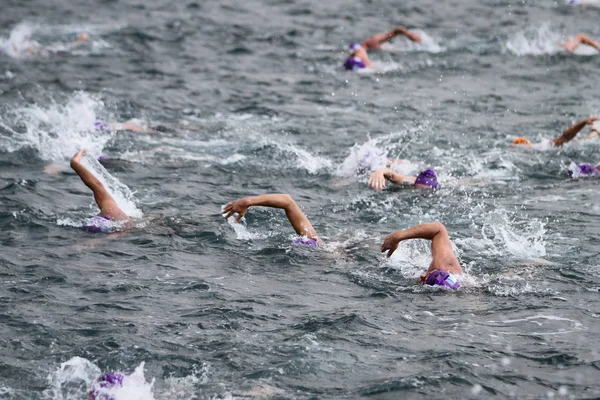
{"x":377,"y":179}
{"x":238,"y":206}
{"x":415,"y":37}
{"x":390,"y":244}
{"x":77,"y":157}
{"x":83,"y":37}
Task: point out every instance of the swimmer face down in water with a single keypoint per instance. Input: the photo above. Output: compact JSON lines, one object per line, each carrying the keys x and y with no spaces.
{"x":567,"y":135}
{"x":359,"y":58}
{"x":579,"y":39}
{"x":425,"y":180}
{"x":109,"y":210}
{"x":444,"y":267}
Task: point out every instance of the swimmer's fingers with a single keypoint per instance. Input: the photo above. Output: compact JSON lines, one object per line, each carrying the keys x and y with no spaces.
{"x":240,"y":216}
{"x":415,"y":37}
{"x":390,"y":245}
{"x":228,"y":210}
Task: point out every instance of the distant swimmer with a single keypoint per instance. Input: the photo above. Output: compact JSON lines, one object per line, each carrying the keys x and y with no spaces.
{"x":34,"y":48}
{"x":359,"y":59}
{"x":567,"y":135}
{"x":444,"y":269}
{"x":579,"y":39}
{"x":132,"y":126}
{"x":299,"y":221}
{"x":425,"y":180}
{"x":109,"y":210}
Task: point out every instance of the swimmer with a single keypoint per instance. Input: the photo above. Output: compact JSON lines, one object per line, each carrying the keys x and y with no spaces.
{"x":444,"y":267}
{"x":567,"y":135}
{"x":425,"y":180}
{"x":583,"y":170}
{"x":105,"y":383}
{"x":359,"y":59}
{"x":579,"y":39}
{"x":299,"y":221}
{"x":36,"y":49}
{"x":123,"y":126}
{"x":109,"y":210}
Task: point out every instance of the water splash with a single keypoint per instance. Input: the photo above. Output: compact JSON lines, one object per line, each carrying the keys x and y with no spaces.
{"x":503,"y":234}
{"x":119,"y":191}
{"x":535,"y":41}
{"x":73,"y":379}
{"x":16,"y":45}
{"x":57,"y":131}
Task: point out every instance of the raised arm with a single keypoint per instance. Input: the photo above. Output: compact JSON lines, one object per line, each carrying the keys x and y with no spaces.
{"x":375,"y":41}
{"x":108,"y":206}
{"x":572,"y":44}
{"x":378,"y":178}
{"x":299,"y":222}
{"x":572,"y":131}
{"x":441,"y":246}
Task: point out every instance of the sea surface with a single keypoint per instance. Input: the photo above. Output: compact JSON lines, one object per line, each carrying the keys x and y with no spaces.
{"x":249,"y":98}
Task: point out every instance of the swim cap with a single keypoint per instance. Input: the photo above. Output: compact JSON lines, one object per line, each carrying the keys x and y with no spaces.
{"x":99,"y":224}
{"x":427,"y":178}
{"x":522,"y":140}
{"x":442,"y":278}
{"x":583,"y":170}
{"x":101,"y":126}
{"x":106,"y":381}
{"x":354,"y":64}
{"x":101,"y":158}
{"x":305,"y":241}
{"x":354,"y":46}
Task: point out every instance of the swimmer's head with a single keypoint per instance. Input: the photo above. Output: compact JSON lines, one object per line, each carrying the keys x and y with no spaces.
{"x":303,"y":240}
{"x":442,"y":278}
{"x":105,"y":382}
{"x":521,"y":141}
{"x":583,"y":170}
{"x":428,"y":179}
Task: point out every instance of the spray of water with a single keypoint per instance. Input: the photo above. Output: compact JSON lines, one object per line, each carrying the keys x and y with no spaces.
{"x":74,"y":378}
{"x":16,"y":45}
{"x":535,"y":41}
{"x":56,"y":131}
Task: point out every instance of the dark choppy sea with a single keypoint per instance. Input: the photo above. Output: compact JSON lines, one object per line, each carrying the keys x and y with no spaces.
{"x":250,"y":99}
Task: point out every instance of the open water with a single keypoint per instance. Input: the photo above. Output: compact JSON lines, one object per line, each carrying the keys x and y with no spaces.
{"x":250,"y":99}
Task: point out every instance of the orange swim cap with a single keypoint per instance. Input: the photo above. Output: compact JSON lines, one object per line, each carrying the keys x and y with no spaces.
{"x":522,"y":140}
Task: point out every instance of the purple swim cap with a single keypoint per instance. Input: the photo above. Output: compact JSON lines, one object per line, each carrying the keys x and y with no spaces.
{"x":427,"y":178}
{"x":106,"y":381}
{"x":99,"y":224}
{"x":101,"y":158}
{"x":305,"y":241}
{"x":442,"y":278}
{"x":354,"y":64}
{"x":101,"y":126}
{"x":354,"y":46}
{"x":584,"y":170}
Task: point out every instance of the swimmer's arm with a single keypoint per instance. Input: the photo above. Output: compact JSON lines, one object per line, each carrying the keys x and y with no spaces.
{"x":130,"y":126}
{"x":299,"y":221}
{"x":434,"y":231}
{"x":375,"y":42}
{"x":572,"y":131}
{"x":572,"y":44}
{"x":378,"y":178}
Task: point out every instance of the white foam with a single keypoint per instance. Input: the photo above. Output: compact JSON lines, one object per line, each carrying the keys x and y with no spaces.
{"x":57,"y":131}
{"x":75,"y":377}
{"x":19,"y":40}
{"x":535,"y":41}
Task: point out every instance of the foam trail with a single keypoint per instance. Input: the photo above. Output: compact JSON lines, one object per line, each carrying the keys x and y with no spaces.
{"x":57,"y":131}
{"x":305,"y":160}
{"x":120,"y":192}
{"x":241,"y":231}
{"x":74,"y":378}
